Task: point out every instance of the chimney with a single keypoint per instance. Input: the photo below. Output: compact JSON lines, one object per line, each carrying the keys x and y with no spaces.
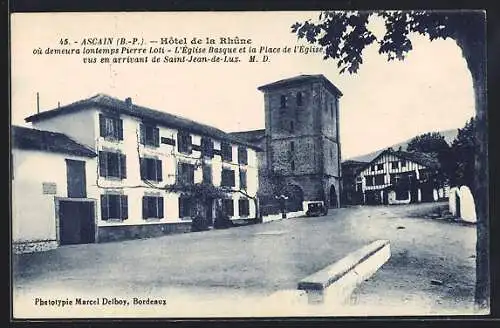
{"x":400,"y":148}
{"x":128,"y":101}
{"x":37,"y":103}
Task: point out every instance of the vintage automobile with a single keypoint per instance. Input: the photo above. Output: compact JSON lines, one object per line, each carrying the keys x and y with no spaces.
{"x":316,"y":209}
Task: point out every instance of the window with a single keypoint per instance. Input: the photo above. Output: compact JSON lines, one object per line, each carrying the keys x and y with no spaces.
{"x":394,"y":165}
{"x":227,"y":178}
{"x":226,"y":152}
{"x":283,"y":102}
{"x":110,"y":127}
{"x":292,"y":146}
{"x":369,"y":181}
{"x":152,"y":207}
{"x":228,"y":207}
{"x":292,"y":127}
{"x":243,"y":179}
{"x":379,"y":179}
{"x":331,"y":153}
{"x":185,"y":173}
{"x":184,"y":207}
{"x":149,"y":135}
{"x":403,"y":163}
{"x":167,"y":141}
{"x":184,"y":142}
{"x":292,"y":164}
{"x":331,"y":110}
{"x":373,"y":168}
{"x":380,"y":167}
{"x":243,"y":207}
{"x":299,"y":98}
{"x":112,"y":164}
{"x":207,"y":147}
{"x":151,"y":169}
{"x":242,"y":155}
{"x":207,"y":173}
{"x":395,"y":179}
{"x":114,"y":207}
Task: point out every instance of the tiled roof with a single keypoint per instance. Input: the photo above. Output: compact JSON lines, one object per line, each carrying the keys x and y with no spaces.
{"x":250,"y":136}
{"x":353,"y":163}
{"x":160,"y":117}
{"x":420,"y":158}
{"x":351,"y":167}
{"x":300,"y":79}
{"x":424,"y":159}
{"x":31,"y":139}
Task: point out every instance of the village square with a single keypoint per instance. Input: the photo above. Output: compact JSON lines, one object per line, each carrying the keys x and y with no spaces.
{"x":135,"y":201}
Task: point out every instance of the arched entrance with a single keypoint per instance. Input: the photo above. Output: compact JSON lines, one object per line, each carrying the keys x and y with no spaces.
{"x":295,"y":198}
{"x":333,"y":197}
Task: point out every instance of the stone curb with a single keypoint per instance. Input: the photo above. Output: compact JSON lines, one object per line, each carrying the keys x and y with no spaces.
{"x":336,"y":282}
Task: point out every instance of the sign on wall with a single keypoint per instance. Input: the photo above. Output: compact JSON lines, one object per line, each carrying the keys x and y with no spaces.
{"x":49,"y":188}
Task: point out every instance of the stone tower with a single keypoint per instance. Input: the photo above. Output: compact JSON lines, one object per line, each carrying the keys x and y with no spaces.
{"x":302,"y":136}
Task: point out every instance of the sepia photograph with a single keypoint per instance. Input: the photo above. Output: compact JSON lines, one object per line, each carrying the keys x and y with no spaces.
{"x":249,"y":164}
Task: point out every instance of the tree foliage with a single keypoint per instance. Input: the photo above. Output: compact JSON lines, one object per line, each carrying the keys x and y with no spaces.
{"x":435,"y":144}
{"x":344,"y":35}
{"x":431,"y":142}
{"x":462,"y":149}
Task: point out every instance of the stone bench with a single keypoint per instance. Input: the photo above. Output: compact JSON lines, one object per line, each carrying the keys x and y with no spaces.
{"x":337,"y":281}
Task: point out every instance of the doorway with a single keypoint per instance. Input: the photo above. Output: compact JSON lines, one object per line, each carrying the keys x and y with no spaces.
{"x":76,"y":222}
{"x":75,"y":172}
{"x":333,"y":197}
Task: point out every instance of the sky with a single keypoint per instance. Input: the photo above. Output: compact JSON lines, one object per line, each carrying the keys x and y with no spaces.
{"x":383,"y":104}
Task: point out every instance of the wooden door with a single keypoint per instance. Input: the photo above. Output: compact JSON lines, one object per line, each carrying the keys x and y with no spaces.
{"x":76,"y":222}
{"x":76,"y":181}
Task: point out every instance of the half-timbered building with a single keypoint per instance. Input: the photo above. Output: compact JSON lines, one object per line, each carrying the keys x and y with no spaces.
{"x":400,"y":177}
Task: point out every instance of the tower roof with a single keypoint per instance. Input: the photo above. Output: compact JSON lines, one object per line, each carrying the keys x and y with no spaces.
{"x":301,"y":79}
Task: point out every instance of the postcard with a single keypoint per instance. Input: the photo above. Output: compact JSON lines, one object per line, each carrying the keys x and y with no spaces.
{"x":248,"y":164}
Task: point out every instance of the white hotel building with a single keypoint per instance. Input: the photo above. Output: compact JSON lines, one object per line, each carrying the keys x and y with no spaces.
{"x":140,"y":151}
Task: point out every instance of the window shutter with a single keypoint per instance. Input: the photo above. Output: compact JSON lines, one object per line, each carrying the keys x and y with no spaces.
{"x":145,"y":213}
{"x":243,"y":179}
{"x":190,"y":144}
{"x":178,"y":173}
{"x":123,"y":166}
{"x":211,"y":147}
{"x":142,"y":167}
{"x":232,"y":177}
{"x":231,"y":207}
{"x":119,"y":126}
{"x":179,"y":142}
{"x":142,"y":134}
{"x":191,"y":174}
{"x":181,"y":207}
{"x":103,"y":163}
{"x":124,"y":207}
{"x":157,"y":137}
{"x":102,"y":125}
{"x":160,"y":207}
{"x":104,"y":207}
{"x":159,"y":170}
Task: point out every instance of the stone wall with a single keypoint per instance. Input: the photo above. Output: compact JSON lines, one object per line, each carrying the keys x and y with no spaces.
{"x":33,"y":246}
{"x":125,"y":232}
